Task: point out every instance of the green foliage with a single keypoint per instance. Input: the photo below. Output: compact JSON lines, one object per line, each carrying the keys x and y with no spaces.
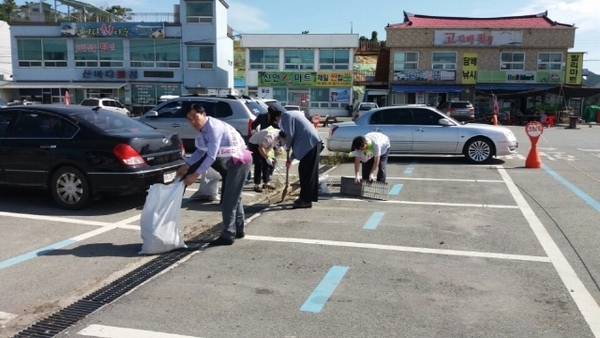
{"x":336,"y":158}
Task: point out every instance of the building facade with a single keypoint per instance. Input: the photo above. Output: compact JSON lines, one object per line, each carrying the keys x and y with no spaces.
{"x":313,"y":71}
{"x":185,"y":52}
{"x":434,"y":59}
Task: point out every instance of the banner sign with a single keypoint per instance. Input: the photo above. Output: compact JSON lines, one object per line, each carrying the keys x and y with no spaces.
{"x":574,"y":69}
{"x":304,"y":79}
{"x":469,"y":68}
{"x":477,"y":38}
{"x":153,"y":30}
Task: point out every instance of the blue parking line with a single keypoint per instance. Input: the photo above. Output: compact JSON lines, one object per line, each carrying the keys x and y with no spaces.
{"x":408,"y":171}
{"x":35,"y":253}
{"x":396,"y":189}
{"x":587,"y":198}
{"x":374,"y":221}
{"x":324,"y":290}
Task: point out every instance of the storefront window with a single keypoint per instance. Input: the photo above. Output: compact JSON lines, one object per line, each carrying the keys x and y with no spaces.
{"x":264,"y":59}
{"x":42,"y":52}
{"x":319,"y":94}
{"x":510,"y":61}
{"x":443,"y":60}
{"x":299,"y":59}
{"x":406,"y":60}
{"x":280,"y":94}
{"x":550,"y":61}
{"x":153,"y":53}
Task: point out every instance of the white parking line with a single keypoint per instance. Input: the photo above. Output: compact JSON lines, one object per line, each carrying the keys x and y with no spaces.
{"x":584,"y":300}
{"x":103,"y":331}
{"x":400,"y":248}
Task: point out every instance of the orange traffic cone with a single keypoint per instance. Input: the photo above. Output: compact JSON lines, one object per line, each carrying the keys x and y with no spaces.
{"x":495,"y":119}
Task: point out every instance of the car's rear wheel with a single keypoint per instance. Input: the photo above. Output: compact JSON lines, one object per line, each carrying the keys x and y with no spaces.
{"x":479,"y":150}
{"x":70,"y":188}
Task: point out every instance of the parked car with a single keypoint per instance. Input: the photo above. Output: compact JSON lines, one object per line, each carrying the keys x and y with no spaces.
{"x":362,"y":108}
{"x":425,"y":130}
{"x":291,"y":107}
{"x":106,"y":103}
{"x":170,"y":115}
{"x":459,"y":110}
{"x":79,"y":153}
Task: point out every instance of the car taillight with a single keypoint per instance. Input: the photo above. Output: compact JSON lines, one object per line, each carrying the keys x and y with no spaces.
{"x":332,"y":130}
{"x":129,"y":156}
{"x":471,"y":110}
{"x":451,"y":110}
{"x":250,"y":126}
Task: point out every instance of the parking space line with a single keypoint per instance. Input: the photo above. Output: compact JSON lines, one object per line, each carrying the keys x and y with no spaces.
{"x":102,"y":331}
{"x":400,"y":248}
{"x":587,"y":198}
{"x":443,"y":179}
{"x":408,"y":171}
{"x":470,"y":205}
{"x":584,"y":300}
{"x":35,"y":253}
{"x":395,"y":190}
{"x":374,"y":220}
{"x":316,"y":301}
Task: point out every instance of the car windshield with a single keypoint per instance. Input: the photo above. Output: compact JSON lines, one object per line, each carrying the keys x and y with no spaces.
{"x":367,"y":106}
{"x":112,"y":123}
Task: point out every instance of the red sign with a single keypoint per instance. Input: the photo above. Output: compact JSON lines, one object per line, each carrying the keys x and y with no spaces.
{"x":534,"y":129}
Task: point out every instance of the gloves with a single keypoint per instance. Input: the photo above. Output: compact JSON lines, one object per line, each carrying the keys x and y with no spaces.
{"x":372,"y":177}
{"x":269,"y":161}
{"x":357,"y":178}
{"x":288,"y":164}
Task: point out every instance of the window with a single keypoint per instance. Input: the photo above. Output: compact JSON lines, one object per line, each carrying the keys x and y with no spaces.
{"x":320,"y":94}
{"x":199,"y":11}
{"x":334,"y":59}
{"x":406,"y":61}
{"x":42,"y":52}
{"x":443,"y":61}
{"x":200,"y":56}
{"x":303,"y":59}
{"x":98,"y":53}
{"x":426,"y":117}
{"x":549,"y":61}
{"x":392,"y":116}
{"x":155,"y":53}
{"x":280,"y":94}
{"x":264,"y":59}
{"x":510,"y":61}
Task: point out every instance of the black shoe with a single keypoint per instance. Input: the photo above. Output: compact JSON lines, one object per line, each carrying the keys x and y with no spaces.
{"x":240,"y":235}
{"x":298,"y":204}
{"x":221,"y":241}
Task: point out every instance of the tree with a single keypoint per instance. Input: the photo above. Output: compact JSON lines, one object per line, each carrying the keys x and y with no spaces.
{"x":6,"y":9}
{"x":123,"y":13}
{"x":374,"y":36}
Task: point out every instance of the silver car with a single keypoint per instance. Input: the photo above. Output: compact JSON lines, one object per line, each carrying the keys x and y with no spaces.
{"x":425,"y":130}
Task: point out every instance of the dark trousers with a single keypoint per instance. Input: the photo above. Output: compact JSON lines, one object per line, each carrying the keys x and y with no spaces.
{"x":308,"y":170}
{"x":261,"y":169}
{"x":218,"y":165}
{"x":381,"y":171}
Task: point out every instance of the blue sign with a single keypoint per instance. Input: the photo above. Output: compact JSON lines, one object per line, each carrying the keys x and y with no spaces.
{"x":155,"y":30}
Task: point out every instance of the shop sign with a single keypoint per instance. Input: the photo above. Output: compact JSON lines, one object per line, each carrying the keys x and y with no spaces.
{"x":469,"y":68}
{"x":304,"y":79}
{"x":153,"y":30}
{"x":477,"y":38}
{"x":110,"y":74}
{"x":168,"y":89}
{"x":265,"y":92}
{"x":525,"y":77}
{"x":143,"y":94}
{"x":424,"y":75}
{"x":574,"y":69}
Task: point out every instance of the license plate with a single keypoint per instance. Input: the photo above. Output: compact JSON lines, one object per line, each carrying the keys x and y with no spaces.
{"x":169,"y":177}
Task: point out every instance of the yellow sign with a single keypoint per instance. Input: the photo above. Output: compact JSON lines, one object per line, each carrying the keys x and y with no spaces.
{"x":574,"y":67}
{"x":469,"y":68}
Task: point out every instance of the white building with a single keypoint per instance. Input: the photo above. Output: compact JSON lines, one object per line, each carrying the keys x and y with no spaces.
{"x":314,"y":71}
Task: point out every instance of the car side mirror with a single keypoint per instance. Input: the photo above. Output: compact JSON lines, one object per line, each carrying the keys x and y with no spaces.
{"x":151,"y":113}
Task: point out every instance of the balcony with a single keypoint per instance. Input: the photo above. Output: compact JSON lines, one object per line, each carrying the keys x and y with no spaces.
{"x":369,"y":47}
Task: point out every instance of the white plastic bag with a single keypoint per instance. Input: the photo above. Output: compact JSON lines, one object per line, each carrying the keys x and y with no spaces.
{"x":209,"y":186}
{"x":323,"y":187}
{"x":159,"y":221}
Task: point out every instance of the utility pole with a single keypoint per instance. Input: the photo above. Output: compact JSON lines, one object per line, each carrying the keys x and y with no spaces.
{"x":351,"y":28}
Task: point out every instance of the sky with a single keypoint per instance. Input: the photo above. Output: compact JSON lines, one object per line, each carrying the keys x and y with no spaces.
{"x":365,"y":16}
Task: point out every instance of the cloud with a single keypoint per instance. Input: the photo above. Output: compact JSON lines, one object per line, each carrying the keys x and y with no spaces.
{"x":581,"y":13}
{"x":247,"y":19}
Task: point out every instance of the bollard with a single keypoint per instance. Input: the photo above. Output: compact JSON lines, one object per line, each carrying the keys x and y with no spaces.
{"x":534,"y":130}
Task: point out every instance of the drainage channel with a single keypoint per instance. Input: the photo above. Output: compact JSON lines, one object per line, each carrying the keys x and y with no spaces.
{"x":64,"y":318}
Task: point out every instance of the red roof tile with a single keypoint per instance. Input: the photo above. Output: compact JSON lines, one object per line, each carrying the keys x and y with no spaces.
{"x":527,"y":21}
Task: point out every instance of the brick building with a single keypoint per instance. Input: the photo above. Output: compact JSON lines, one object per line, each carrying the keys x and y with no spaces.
{"x":434,"y":59}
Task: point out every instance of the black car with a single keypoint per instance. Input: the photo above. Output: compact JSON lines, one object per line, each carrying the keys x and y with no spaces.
{"x":80,"y":153}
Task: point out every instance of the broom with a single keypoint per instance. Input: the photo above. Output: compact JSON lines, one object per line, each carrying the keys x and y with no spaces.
{"x":287,"y":177}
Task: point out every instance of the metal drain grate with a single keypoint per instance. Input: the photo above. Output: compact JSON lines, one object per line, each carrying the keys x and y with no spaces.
{"x":63,"y":319}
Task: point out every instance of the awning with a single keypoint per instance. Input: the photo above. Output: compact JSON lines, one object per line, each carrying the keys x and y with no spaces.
{"x":71,"y":85}
{"x":426,"y":88}
{"x":512,"y":87}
